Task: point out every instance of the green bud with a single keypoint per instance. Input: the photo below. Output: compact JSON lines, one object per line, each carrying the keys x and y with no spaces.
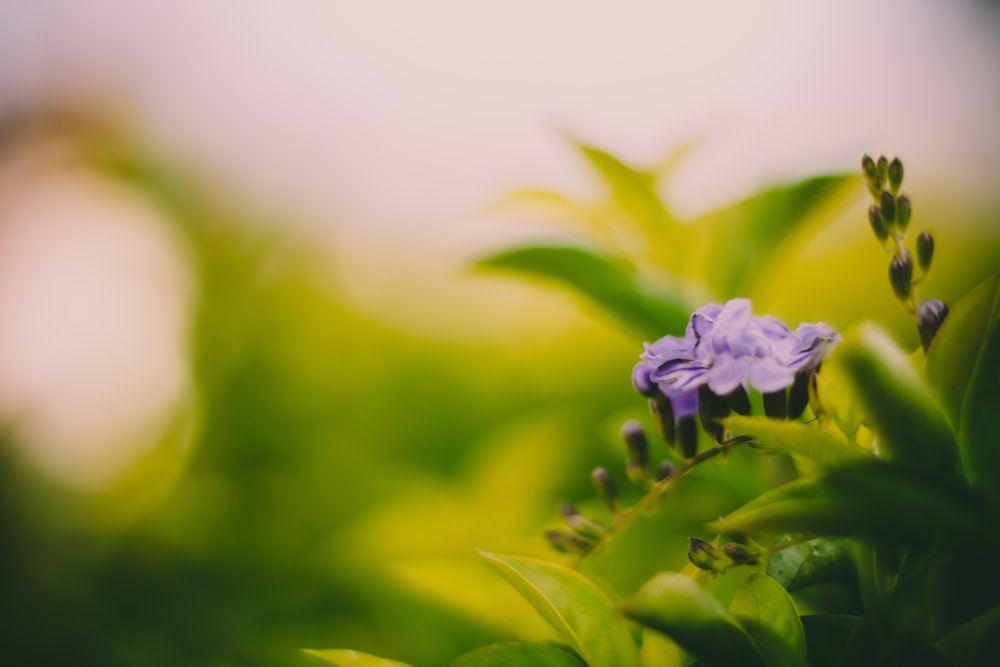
{"x":580,"y":524}
{"x":930,"y":315}
{"x":663,"y":416}
{"x":568,"y":543}
{"x":901,"y":274}
{"x":711,"y":410}
{"x":904,"y":210}
{"x":877,"y":223}
{"x":882,"y":170}
{"x":664,"y":470}
{"x":925,"y":250}
{"x":636,"y":443}
{"x":606,"y":488}
{"x":707,"y":557}
{"x":868,"y":168}
{"x":895,"y":175}
{"x":739,"y":553}
{"x":776,"y":404}
{"x":888,"y":208}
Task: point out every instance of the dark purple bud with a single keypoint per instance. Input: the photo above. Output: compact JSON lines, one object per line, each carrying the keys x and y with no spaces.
{"x":925,"y":250}
{"x":711,"y":410}
{"x":901,"y":274}
{"x":663,"y":415}
{"x":776,"y":404}
{"x":568,"y":543}
{"x":930,"y":315}
{"x":895,"y":175}
{"x":636,"y":443}
{"x":687,"y":436}
{"x":739,"y":401}
{"x":739,"y":554}
{"x":888,"y":205}
{"x":904,"y":211}
{"x":606,"y":488}
{"x":707,"y":557}
{"x":664,"y":470}
{"x":798,"y":395}
{"x":878,"y":224}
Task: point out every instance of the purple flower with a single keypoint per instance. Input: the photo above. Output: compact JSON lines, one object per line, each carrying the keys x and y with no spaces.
{"x":726,"y":347}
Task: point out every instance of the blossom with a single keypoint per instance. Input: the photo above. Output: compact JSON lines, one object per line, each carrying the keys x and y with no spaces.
{"x":726,"y":347}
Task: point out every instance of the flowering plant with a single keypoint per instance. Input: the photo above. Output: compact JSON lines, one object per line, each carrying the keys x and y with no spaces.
{"x":871,"y":536}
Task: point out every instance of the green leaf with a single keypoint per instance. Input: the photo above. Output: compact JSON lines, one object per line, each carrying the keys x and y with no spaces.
{"x":979,"y":435}
{"x":870,"y":498}
{"x":766,"y":611}
{"x":574,"y":606}
{"x":684,"y":611}
{"x":826,"y":637}
{"x":521,"y":654}
{"x":748,"y":233}
{"x":811,"y":562}
{"x":795,"y":438}
{"x":348,"y":658}
{"x":952,"y":356}
{"x":907,"y":420}
{"x":607,"y":281}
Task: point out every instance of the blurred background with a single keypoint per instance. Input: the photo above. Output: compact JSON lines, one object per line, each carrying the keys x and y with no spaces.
{"x":254,"y":396}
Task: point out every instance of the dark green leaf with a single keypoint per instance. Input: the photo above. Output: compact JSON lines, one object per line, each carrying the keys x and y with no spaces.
{"x":681,"y":609}
{"x":907,"y":420}
{"x":574,"y":606}
{"x":826,"y":637}
{"x":811,"y":562}
{"x":765,"y":610}
{"x":605,"y":280}
{"x":512,"y":654}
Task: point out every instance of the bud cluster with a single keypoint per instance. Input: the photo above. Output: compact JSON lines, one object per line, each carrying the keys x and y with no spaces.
{"x":718,"y":560}
{"x":889,"y":216}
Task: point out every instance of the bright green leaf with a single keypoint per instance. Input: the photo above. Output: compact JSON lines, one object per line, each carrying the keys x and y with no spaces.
{"x":910,"y":426}
{"x":795,"y":438}
{"x":574,"y":606}
{"x":607,"y":281}
{"x":520,"y":654}
{"x":684,"y":611}
{"x":951,"y":359}
{"x":811,"y":562}
{"x":766,"y":611}
{"x":348,"y":658}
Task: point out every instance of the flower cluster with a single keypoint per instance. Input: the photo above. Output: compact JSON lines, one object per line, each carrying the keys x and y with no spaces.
{"x":725,"y":351}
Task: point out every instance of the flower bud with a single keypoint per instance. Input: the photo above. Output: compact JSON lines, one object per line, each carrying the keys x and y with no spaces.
{"x":776,"y":404}
{"x":882,"y":170}
{"x":901,"y":274}
{"x":895,"y":175}
{"x":925,"y":251}
{"x":636,"y":443}
{"x":904,"y":210}
{"x":606,"y":488}
{"x":580,"y":524}
{"x":798,"y":395}
{"x":707,"y":557}
{"x":888,"y":208}
{"x":663,"y":415}
{"x":930,"y":315}
{"x":568,"y":543}
{"x":739,"y":401}
{"x":739,"y":553}
{"x":712,"y":409}
{"x":868,"y":168}
{"x":687,"y":436}
{"x":878,"y":223}
{"x":664,"y":470}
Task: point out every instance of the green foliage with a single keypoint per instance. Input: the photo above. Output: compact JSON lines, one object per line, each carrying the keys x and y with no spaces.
{"x":515,"y":653}
{"x":766,"y":611}
{"x":345,"y":658}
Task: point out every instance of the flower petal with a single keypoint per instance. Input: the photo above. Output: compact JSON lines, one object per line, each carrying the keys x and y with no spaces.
{"x":727,"y":374}
{"x":768,"y":375}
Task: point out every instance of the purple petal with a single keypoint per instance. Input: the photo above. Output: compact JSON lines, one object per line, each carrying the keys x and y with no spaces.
{"x":685,"y":404}
{"x":768,"y":375}
{"x":640,"y":379}
{"x":727,"y":374}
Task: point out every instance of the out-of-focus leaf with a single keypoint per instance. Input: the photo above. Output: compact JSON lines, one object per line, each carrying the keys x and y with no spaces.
{"x":658,"y":650}
{"x":607,"y":281}
{"x":795,"y":438}
{"x":522,"y":654}
{"x":747,"y":233}
{"x":684,"y":611}
{"x":348,"y":658}
{"x":979,"y":434}
{"x":883,"y":502}
{"x":765,"y":610}
{"x":909,"y":424}
{"x":811,"y":562}
{"x":574,"y":606}
{"x":826,"y":637}
{"x":951,"y":358}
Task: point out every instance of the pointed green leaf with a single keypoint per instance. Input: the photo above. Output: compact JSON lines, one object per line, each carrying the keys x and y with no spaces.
{"x":607,"y":281}
{"x":907,"y":420}
{"x":951,"y":359}
{"x":574,"y":606}
{"x":509,"y":654}
{"x":873,"y":499}
{"x":766,"y":611}
{"x":684,"y":611}
{"x":795,"y":438}
{"x":814,"y":561}
{"x":348,"y":658}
